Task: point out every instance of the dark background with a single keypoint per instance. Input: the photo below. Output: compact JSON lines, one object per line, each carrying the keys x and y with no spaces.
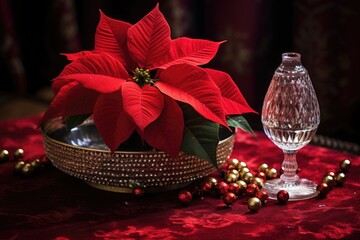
{"x":324,"y":32}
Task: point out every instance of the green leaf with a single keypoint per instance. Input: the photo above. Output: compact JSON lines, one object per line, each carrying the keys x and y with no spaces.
{"x":200,"y":136}
{"x":239,"y":122}
{"x":74,"y":121}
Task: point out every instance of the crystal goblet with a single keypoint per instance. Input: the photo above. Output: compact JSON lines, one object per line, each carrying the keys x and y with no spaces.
{"x":290,"y":117}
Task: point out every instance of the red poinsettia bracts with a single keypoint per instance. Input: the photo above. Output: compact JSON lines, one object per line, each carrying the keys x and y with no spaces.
{"x":135,"y":79}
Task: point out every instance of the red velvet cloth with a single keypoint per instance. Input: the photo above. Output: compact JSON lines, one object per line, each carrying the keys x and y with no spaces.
{"x":54,"y":205}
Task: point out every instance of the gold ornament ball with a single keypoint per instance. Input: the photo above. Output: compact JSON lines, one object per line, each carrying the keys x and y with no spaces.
{"x":254,"y":204}
{"x":213,"y":181}
{"x":18,"y":166}
{"x":329,"y":180}
{"x":19,"y":154}
{"x":345,"y":165}
{"x":230,"y":177}
{"x":36,"y":163}
{"x":4,"y":155}
{"x":271,"y":173}
{"x":233,"y":162}
{"x":330,"y":174}
{"x":247,"y":177}
{"x":340,"y":178}
{"x":242,"y":186}
{"x":236,"y":172}
{"x":27,"y":170}
{"x":258,"y":182}
{"x":243,"y":171}
{"x":263,"y":167}
{"x":241,"y":165}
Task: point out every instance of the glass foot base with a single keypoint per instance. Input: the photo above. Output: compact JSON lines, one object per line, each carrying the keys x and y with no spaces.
{"x":300,"y":190}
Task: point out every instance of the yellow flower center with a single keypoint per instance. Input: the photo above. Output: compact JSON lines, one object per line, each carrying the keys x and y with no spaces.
{"x":142,"y":77}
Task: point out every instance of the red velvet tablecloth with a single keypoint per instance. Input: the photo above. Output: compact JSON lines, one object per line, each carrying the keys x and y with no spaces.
{"x":54,"y":205}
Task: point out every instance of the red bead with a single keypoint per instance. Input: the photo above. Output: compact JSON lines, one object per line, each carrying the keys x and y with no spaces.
{"x":229,"y":198}
{"x":282,"y":196}
{"x":222,"y":188}
{"x":251,"y":190}
{"x":205,"y":187}
{"x":138,"y":191}
{"x":263,"y":196}
{"x":261,"y":175}
{"x":234,"y":188}
{"x":323,"y":189}
{"x":185,"y":196}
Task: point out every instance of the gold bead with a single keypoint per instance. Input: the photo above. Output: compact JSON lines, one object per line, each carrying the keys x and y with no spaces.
{"x":345,"y":165}
{"x":242,"y":186}
{"x":254,"y":204}
{"x":243,"y":171}
{"x":18,"y":166}
{"x":4,"y":155}
{"x":330,"y":174}
{"x":27,"y":170}
{"x":258,"y":182}
{"x":36,"y":163}
{"x":271,"y":173}
{"x":230,"y":178}
{"x":213,"y":181}
{"x":263,"y":167}
{"x":329,"y":180}
{"x":233,"y":162}
{"x":234,"y":171}
{"x":241,"y":165}
{"x":19,"y":154}
{"x":247,"y":177}
{"x":340,"y":178}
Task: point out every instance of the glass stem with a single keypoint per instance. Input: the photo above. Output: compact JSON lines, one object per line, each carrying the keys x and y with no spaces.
{"x":289,"y":166}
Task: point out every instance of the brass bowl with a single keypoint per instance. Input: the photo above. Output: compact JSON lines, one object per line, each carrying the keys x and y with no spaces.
{"x":83,"y":154}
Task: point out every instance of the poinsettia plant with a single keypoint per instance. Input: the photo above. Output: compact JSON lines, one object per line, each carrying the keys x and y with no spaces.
{"x":139,"y":81}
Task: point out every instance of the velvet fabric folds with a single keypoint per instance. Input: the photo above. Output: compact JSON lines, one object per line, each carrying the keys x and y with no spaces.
{"x":53,"y":205}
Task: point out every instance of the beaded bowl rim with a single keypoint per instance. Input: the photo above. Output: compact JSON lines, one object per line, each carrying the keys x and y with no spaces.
{"x":62,"y":162}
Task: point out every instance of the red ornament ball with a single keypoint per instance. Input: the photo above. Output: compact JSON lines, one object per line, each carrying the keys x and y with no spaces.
{"x":282,"y":196}
{"x":261,"y":175}
{"x":251,"y":190}
{"x":205,"y":187}
{"x":222,"y":188}
{"x":234,"y":188}
{"x":138,"y":191}
{"x":323,"y":189}
{"x":229,"y":198}
{"x":263,"y":196}
{"x":185,"y":197}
